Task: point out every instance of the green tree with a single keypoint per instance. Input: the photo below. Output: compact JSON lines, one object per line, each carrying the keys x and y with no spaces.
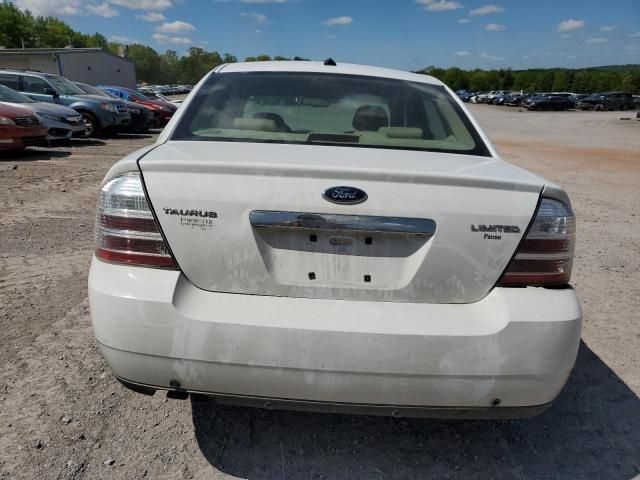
{"x":479,"y":81}
{"x":196,"y":64}
{"x":228,"y":58}
{"x":53,"y":33}
{"x":562,"y":81}
{"x":170,"y":66}
{"x":97,"y":40}
{"x":434,"y":72}
{"x":456,"y":78}
{"x":630,"y":82}
{"x":16,"y":27}
{"x":579,"y":82}
{"x":146,"y":60}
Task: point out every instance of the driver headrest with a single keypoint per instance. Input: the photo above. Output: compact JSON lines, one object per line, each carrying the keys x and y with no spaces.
{"x":370,"y":118}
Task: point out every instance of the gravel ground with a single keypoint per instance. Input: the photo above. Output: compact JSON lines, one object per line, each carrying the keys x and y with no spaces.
{"x":62,"y":414}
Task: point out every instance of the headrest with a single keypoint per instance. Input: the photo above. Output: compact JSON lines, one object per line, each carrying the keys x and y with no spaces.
{"x":370,"y":118}
{"x":402,"y":132}
{"x":259,"y":124}
{"x":278,"y":120}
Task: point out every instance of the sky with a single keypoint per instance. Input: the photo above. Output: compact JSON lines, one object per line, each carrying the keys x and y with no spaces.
{"x":404,"y":34}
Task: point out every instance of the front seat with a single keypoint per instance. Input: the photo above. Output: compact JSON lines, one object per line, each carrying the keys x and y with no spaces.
{"x":370,"y":118}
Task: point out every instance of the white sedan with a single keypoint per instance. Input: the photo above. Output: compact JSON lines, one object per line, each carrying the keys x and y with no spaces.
{"x":308,"y":235}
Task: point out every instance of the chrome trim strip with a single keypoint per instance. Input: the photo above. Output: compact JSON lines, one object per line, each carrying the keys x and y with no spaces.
{"x":335,"y":222}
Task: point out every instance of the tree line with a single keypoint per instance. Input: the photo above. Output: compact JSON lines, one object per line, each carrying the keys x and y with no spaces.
{"x":170,"y":68}
{"x":21,"y":29}
{"x":625,"y":78}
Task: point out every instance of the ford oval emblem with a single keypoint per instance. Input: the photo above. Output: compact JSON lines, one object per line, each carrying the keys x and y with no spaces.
{"x":345,"y":195}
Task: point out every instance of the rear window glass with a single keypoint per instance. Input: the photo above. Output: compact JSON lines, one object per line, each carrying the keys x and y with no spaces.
{"x":344,"y":110}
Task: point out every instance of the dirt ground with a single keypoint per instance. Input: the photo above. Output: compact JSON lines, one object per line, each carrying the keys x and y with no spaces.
{"x":62,"y":414}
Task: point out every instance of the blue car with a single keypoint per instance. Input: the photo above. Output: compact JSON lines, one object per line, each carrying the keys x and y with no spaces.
{"x":99,"y":114}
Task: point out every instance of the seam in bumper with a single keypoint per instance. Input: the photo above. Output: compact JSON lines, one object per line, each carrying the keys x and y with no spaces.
{"x":396,"y":411}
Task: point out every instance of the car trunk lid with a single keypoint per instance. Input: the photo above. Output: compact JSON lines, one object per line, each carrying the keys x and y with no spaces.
{"x":251,"y":218}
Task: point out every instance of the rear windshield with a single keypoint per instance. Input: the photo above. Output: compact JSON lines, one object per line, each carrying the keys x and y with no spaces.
{"x":344,"y":110}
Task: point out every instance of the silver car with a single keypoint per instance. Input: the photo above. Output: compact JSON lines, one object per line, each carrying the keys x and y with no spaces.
{"x":62,"y":122}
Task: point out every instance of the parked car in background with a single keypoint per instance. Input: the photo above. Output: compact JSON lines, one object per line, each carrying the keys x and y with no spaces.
{"x":100,"y":115}
{"x":165,"y":109}
{"x":550,"y":102}
{"x":159,"y":96}
{"x":61,"y":122}
{"x":489,"y":96}
{"x":498,"y":99}
{"x":142,"y":118}
{"x":532,"y":97}
{"x":20,"y":128}
{"x":145,"y":90}
{"x":607,"y":101}
{"x":338,"y":237}
{"x":485,"y":97}
{"x":577,"y":97}
{"x":466,"y":96}
{"x":516,"y":99}
{"x":163,"y":90}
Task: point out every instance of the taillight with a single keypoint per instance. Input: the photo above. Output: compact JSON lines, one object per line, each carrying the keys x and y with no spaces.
{"x":545,"y":255}
{"x":126,"y":231}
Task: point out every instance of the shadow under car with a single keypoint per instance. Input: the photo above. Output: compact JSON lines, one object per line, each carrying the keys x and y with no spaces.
{"x":591,"y":431}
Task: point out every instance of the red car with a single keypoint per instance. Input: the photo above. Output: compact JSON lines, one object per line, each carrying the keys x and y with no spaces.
{"x":20,"y":128}
{"x":165,"y":109}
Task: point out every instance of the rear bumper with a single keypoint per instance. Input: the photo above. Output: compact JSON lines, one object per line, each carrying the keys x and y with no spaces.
{"x":397,"y":411}
{"x":515,"y":348}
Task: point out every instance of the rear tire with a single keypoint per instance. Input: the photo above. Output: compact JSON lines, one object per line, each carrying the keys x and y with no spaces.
{"x":91,"y":126}
{"x":598,"y":108}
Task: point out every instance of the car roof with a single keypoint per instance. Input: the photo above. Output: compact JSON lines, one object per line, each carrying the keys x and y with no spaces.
{"x":21,"y":72}
{"x":320,"y":67}
{"x":28,"y":73}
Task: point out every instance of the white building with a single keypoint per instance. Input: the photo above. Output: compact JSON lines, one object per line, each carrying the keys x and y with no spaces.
{"x":88,"y":65}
